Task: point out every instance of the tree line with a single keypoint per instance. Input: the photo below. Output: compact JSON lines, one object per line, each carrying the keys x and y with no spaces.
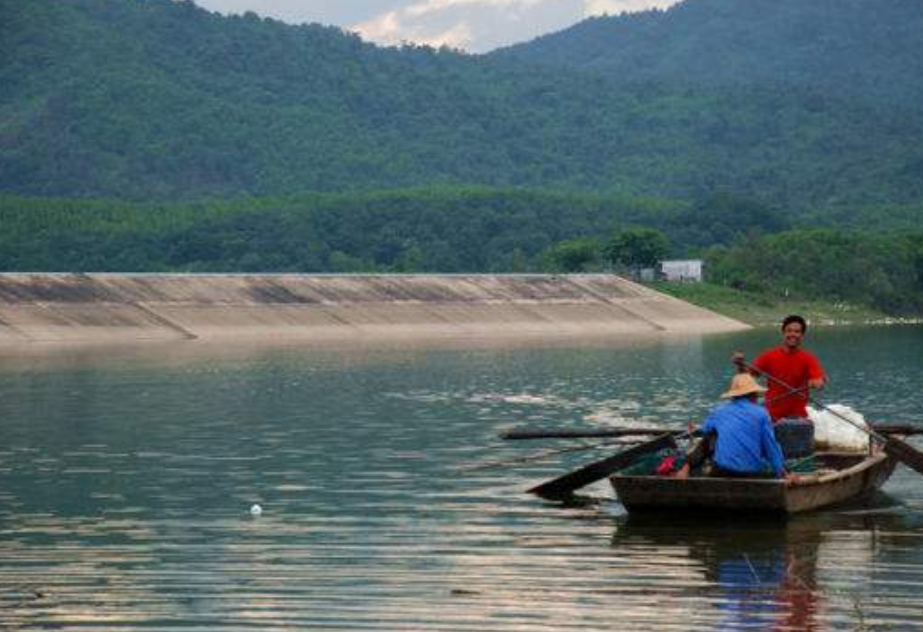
{"x":746,"y":244}
{"x":431,"y":229}
{"x":882,"y":270}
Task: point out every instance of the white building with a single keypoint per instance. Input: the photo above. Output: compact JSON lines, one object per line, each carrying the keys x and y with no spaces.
{"x":689,"y":270}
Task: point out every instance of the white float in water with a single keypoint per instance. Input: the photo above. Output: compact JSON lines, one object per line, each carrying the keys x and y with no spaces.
{"x":256,"y":510}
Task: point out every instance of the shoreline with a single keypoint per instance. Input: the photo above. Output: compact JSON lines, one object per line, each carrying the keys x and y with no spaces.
{"x":105,"y":308}
{"x":761,"y":311}
{"x":184,"y":352}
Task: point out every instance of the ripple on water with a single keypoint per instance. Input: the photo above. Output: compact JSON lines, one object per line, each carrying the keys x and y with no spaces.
{"x":390,"y":504}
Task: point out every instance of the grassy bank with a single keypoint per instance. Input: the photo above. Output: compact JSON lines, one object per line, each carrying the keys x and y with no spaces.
{"x":760,"y":310}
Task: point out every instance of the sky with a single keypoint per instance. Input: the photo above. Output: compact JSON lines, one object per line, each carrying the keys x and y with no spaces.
{"x":476,"y":26}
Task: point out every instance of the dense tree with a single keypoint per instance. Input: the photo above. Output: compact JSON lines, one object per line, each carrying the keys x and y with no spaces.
{"x":637,"y":247}
{"x":438,"y":229}
{"x":723,"y":218}
{"x":879,"y":269}
{"x":574,"y":255}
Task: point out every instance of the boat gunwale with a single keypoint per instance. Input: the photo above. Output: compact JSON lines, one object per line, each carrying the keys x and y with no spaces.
{"x":869,"y":461}
{"x":807,"y":480}
{"x":778,"y":495}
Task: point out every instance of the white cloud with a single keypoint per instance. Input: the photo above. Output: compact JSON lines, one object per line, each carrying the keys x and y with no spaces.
{"x":459,"y":36}
{"x":338,"y":12}
{"x":427,"y":7}
{"x":473,"y":25}
{"x":614,"y":7}
{"x":392,"y":28}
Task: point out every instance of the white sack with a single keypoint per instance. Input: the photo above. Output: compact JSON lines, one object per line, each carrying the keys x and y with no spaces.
{"x":833,"y":433}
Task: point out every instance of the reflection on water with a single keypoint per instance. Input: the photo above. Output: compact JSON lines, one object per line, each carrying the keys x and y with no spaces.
{"x":812,"y":572}
{"x":126,"y":481}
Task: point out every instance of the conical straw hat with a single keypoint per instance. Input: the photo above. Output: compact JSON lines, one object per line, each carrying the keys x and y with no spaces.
{"x":743,"y":384}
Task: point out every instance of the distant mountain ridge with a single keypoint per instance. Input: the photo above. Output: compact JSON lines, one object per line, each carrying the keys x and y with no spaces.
{"x":157,"y":100}
{"x":855,"y":47}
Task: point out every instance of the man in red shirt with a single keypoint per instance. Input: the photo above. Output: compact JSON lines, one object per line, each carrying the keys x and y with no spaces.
{"x":794,"y":366}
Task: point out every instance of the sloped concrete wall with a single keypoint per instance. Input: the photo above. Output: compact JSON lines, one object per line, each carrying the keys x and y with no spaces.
{"x":114,"y":307}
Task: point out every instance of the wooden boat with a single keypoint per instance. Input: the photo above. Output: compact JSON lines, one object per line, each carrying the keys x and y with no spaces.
{"x":842,"y":477}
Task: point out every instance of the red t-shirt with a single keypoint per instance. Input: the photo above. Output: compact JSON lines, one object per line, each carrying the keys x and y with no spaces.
{"x":794,"y":368}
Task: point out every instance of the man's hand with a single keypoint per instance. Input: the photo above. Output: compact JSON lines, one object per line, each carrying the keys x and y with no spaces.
{"x":739,"y":360}
{"x":817,"y":384}
{"x":791,"y":478}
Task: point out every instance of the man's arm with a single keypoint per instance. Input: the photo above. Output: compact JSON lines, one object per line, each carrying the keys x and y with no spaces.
{"x":817,"y":379}
{"x":760,"y":363}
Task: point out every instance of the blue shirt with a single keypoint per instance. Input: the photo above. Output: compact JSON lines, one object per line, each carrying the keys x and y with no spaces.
{"x":746,"y":442}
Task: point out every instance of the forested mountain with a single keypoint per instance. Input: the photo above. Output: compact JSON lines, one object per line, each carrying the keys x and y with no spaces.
{"x":866,"y":49}
{"x":160,"y":100}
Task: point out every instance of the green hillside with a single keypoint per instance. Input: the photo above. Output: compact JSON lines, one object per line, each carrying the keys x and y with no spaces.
{"x":159,"y":100}
{"x":864,"y":49}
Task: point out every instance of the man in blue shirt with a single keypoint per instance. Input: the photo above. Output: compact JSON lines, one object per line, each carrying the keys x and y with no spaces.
{"x":745,"y":445}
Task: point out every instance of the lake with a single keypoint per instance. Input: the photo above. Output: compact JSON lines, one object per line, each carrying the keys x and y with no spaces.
{"x":127,"y":478}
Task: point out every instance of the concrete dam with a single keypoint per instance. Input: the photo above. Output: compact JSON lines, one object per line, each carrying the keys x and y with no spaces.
{"x":104,"y":307}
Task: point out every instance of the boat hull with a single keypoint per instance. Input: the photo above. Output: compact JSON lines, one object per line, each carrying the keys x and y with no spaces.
{"x":855,"y":478}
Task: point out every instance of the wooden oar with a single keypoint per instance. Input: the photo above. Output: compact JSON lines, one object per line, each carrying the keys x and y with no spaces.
{"x":576,"y":433}
{"x":601,"y":433}
{"x":564,"y":486}
{"x":905,"y":430}
{"x":903,"y":452}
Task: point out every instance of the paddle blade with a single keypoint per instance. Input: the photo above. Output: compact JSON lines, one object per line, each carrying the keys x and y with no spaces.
{"x":562,"y":487}
{"x":905,"y":453}
{"x":515,"y":435}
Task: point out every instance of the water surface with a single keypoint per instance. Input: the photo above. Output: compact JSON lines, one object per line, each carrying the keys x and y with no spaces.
{"x":127,"y":478}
